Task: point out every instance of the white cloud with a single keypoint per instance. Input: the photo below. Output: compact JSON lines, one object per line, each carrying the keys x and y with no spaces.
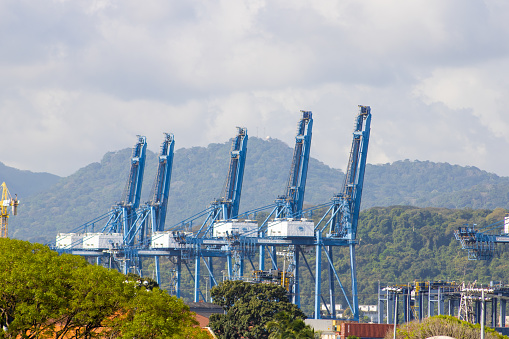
{"x":80,"y":78}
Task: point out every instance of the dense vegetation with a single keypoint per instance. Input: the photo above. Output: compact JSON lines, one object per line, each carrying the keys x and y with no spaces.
{"x":397,"y":245}
{"x":249,"y":308}
{"x":199,"y":173}
{"x":43,"y":295}
{"x":443,"y":326}
{"x":402,"y":244}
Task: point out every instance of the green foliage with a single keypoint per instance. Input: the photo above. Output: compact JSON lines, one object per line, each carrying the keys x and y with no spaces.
{"x":442,"y":326}
{"x":285,"y":325}
{"x":44,"y":295}
{"x":401,"y":244}
{"x":156,"y":314}
{"x":248,"y":308}
{"x":145,"y":282}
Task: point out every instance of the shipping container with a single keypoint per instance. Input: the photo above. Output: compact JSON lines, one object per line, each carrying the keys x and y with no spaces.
{"x":363,"y":330}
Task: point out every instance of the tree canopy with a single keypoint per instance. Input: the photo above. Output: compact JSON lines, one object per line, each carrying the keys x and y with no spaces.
{"x":248,"y":308}
{"x":44,"y":295}
{"x":443,"y":325}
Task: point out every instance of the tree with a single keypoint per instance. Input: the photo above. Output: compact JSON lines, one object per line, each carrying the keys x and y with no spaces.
{"x":285,"y":326}
{"x":44,"y":295}
{"x":248,"y":308}
{"x":442,"y":325}
{"x":152,"y":314}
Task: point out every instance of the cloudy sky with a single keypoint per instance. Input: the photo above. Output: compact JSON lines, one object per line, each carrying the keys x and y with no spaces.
{"x":83,"y":77}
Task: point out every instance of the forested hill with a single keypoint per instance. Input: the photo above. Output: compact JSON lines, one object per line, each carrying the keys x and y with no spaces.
{"x":425,"y":183}
{"x":396,"y":245}
{"x":200,"y":172}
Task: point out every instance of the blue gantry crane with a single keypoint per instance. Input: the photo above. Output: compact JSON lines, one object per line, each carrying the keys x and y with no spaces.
{"x":125,"y":229}
{"x":155,"y":209}
{"x":287,"y":215}
{"x":123,"y":214}
{"x":290,"y":204}
{"x":133,"y":232}
{"x":222,"y":222}
{"x":227,"y":207}
{"x":338,"y":226}
{"x":481,"y":242}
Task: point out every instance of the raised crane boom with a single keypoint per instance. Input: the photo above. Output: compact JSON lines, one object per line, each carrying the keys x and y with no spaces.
{"x":233,"y":186}
{"x":290,"y":204}
{"x":132,"y":192}
{"x":343,"y":215}
{"x":346,"y":205}
{"x":161,"y":189}
{"x":227,"y":207}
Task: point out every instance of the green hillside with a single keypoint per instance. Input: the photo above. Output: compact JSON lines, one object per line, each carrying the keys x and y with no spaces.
{"x":199,"y":174}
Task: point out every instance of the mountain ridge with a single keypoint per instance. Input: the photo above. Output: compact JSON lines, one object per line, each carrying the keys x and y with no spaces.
{"x":199,"y":174}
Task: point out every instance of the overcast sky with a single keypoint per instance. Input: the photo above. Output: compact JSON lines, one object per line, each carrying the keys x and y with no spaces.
{"x":81,"y":78}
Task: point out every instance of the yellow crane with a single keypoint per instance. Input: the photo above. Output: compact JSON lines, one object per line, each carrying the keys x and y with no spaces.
{"x":7,"y":201}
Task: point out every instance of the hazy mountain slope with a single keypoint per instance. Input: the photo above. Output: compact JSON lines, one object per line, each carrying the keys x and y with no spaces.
{"x":425,"y":183}
{"x":25,"y":183}
{"x":198,"y":177}
{"x":199,"y":174}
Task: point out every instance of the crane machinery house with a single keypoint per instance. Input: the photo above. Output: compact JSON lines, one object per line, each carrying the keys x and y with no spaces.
{"x":102,"y":241}
{"x":247,"y":228}
{"x":69,"y":240}
{"x":290,"y":228}
{"x":168,"y":239}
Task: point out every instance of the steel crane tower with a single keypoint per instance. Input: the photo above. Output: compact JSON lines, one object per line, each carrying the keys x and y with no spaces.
{"x":161,"y":188}
{"x":221,"y":221}
{"x":124,"y":213}
{"x":119,"y":233}
{"x":288,"y":210}
{"x":155,"y":209}
{"x":290,"y":204}
{"x":338,"y":226}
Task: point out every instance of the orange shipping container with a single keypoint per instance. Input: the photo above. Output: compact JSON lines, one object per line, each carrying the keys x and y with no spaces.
{"x":364,"y":330}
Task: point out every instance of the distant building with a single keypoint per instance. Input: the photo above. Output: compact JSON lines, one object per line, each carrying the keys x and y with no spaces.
{"x":370,"y":311}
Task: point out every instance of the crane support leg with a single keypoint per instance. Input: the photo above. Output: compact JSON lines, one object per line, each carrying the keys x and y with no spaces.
{"x":318,"y":278}
{"x":212,"y":281}
{"x":355,"y":297}
{"x":332,"y":297}
{"x":197,"y":278}
{"x":273,"y":257}
{"x":261,"y":258}
{"x":230,"y":266}
{"x":179,"y":275}
{"x":158,"y":273}
{"x":296,"y":286}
